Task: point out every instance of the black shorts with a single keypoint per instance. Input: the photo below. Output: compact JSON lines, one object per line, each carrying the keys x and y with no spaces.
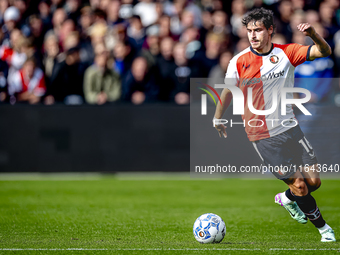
{"x":284,"y":153}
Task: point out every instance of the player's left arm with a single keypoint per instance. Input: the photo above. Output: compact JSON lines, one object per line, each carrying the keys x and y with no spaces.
{"x":321,"y":48}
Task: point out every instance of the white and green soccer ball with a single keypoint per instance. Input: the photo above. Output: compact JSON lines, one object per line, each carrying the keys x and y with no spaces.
{"x":209,"y":228}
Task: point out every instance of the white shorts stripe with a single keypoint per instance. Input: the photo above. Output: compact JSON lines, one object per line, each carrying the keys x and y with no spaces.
{"x":254,"y":144}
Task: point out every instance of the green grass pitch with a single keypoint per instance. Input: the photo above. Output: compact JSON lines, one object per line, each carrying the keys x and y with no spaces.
{"x":114,"y":216}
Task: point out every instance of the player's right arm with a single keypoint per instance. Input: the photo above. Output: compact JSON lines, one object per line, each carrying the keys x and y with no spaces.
{"x":231,"y":78}
{"x":226,"y":98}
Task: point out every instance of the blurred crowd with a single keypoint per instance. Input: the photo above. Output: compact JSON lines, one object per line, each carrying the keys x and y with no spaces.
{"x":101,"y":51}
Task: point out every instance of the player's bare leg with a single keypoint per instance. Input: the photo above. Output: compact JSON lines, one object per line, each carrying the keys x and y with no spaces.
{"x":312,"y":177}
{"x":301,"y":185}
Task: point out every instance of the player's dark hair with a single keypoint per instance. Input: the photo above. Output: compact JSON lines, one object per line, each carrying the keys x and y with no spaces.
{"x":262,"y":15}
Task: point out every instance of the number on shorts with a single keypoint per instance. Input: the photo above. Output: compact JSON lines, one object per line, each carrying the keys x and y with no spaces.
{"x":308,"y":147}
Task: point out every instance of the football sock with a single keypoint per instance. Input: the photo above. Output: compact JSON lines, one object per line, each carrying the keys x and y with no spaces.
{"x":285,"y":199}
{"x":308,"y":205}
{"x":289,"y":195}
{"x":324,"y":228}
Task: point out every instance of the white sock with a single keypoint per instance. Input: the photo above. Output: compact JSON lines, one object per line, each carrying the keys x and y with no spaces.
{"x":324,"y":228}
{"x":285,"y":199}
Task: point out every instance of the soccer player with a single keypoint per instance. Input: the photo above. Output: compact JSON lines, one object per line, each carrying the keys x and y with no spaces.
{"x":266,"y":68}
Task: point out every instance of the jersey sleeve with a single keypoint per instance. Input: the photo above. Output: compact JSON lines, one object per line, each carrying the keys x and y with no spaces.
{"x":296,"y":53}
{"x":232,"y":76}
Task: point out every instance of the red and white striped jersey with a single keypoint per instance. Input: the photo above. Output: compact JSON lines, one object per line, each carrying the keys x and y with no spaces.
{"x":265,"y":74}
{"x":12,"y":57}
{"x":20,"y":84}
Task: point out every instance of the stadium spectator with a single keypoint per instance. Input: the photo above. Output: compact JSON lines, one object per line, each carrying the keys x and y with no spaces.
{"x":45,"y":14}
{"x":37,"y":30}
{"x":114,"y":35}
{"x":220,"y":23}
{"x":146,"y":9}
{"x":207,"y":25}
{"x":279,"y":39}
{"x":67,"y":28}
{"x":30,"y":50}
{"x":123,"y":56}
{"x":68,"y":83}
{"x":21,"y":23}
{"x":217,"y":73}
{"x":175,"y":9}
{"x":335,"y":4}
{"x":56,"y":4}
{"x":126,"y":9}
{"x":94,"y":4}
{"x":298,"y":5}
{"x":72,"y":8}
{"x":212,"y":5}
{"x":136,"y":33}
{"x":104,"y":5}
{"x":139,"y":84}
{"x":70,"y":41}
{"x":51,"y":58}
{"x":165,"y":62}
{"x":97,"y":33}
{"x":312,"y":17}
{"x":101,"y":84}
{"x":210,"y":57}
{"x":59,"y":16}
{"x":116,"y":23}
{"x":3,"y":6}
{"x":27,"y":84}
{"x":187,"y":20}
{"x":327,"y":17}
{"x":238,"y":10}
{"x":3,"y":80}
{"x":99,"y":16}
{"x":86,"y":21}
{"x":113,"y":13}
{"x":297,"y":18}
{"x":11,"y":19}
{"x":14,"y":55}
{"x":241,"y":45}
{"x":165,"y":29}
{"x":283,"y":23}
{"x":191,"y":38}
{"x":180,"y":75}
{"x":150,"y":49}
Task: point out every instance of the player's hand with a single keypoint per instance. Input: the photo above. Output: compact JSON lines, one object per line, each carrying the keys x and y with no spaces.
{"x":221,"y":129}
{"x":306,"y":28}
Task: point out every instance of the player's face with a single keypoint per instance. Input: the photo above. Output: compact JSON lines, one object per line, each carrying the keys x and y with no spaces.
{"x":258,"y":35}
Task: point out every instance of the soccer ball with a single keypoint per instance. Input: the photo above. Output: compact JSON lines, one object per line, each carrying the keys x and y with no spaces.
{"x":209,"y":228}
